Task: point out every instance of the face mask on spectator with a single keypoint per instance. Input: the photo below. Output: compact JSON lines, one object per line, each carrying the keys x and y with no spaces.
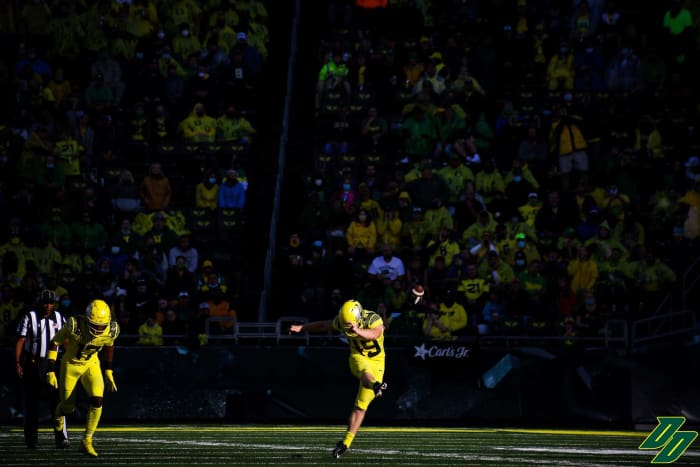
{"x":346,"y":186}
{"x":212,"y":180}
{"x":518,"y":179}
{"x":185,"y":33}
{"x":521,"y":244}
{"x":65,"y":303}
{"x":161,"y":35}
{"x":115,"y":250}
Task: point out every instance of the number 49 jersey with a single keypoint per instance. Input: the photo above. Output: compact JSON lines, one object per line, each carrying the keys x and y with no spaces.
{"x":81,"y":347}
{"x":372,"y":349}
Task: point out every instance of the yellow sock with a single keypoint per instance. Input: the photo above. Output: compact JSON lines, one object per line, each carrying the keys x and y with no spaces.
{"x":348,"y":438}
{"x":93,"y":418}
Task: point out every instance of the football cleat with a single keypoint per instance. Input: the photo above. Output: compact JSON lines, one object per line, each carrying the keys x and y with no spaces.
{"x":86,"y":447}
{"x":339,"y":450}
{"x":62,"y":443}
{"x":379,"y":389}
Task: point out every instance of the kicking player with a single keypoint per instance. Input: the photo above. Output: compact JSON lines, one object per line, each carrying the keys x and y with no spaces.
{"x":83,"y":338}
{"x":365,"y":332}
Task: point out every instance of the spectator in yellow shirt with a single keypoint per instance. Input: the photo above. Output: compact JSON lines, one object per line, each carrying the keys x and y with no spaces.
{"x":207,"y":191}
{"x":183,"y":11}
{"x":198,"y":127}
{"x":233,"y":127}
{"x":529,"y":210}
{"x":150,"y":333}
{"x":220,"y":30}
{"x":484,"y":223}
{"x":69,"y":153}
{"x":475,"y":290}
{"x":389,"y":227}
{"x":560,"y":70}
{"x":489,"y":182}
{"x":361,"y":235}
{"x":583,"y":271}
{"x":60,"y":87}
{"x":142,"y":18}
{"x":445,"y":320}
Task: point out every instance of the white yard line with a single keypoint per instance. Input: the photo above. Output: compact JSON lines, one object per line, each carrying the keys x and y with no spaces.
{"x":601,"y":452}
{"x":374,"y":452}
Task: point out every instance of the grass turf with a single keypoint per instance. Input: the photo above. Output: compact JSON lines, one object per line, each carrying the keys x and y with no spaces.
{"x":249,"y":445}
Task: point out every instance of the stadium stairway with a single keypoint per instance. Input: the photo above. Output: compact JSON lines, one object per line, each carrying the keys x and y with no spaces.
{"x":262,"y":166}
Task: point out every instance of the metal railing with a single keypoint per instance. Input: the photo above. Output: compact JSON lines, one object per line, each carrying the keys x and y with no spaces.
{"x":658,"y":327}
{"x":614,"y":333}
{"x":271,"y":331}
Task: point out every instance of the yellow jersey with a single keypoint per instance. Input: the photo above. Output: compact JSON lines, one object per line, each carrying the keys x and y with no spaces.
{"x":371,"y":349}
{"x":81,"y":347}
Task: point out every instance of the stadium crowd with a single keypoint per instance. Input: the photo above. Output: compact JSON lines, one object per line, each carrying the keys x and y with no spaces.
{"x":533,"y":165}
{"x":124,"y":135}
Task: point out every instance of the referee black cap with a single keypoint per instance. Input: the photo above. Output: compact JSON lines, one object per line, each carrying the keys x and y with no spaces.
{"x":48,"y":296}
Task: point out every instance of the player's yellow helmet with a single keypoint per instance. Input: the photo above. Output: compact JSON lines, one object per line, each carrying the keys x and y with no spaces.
{"x":98,"y":317}
{"x":350,"y":312}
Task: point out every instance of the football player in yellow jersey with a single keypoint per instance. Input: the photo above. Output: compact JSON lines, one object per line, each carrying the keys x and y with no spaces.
{"x":364,"y":330}
{"x":83,"y":337}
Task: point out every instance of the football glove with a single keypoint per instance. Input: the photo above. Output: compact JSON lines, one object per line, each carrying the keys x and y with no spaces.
{"x":51,"y":379}
{"x":109,"y":381}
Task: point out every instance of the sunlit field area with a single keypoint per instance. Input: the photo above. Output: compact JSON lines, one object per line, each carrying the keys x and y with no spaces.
{"x":187,"y":445}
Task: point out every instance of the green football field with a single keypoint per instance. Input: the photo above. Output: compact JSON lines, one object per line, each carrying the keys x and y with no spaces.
{"x":189,"y":445}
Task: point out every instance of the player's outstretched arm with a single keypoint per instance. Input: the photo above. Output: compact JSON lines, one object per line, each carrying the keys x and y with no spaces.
{"x":314,"y":326}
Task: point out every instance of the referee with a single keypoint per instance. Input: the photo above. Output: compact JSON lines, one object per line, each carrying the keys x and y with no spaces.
{"x":35,"y":331}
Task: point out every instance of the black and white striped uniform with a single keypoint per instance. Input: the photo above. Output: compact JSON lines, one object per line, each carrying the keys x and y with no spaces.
{"x":37,"y":331}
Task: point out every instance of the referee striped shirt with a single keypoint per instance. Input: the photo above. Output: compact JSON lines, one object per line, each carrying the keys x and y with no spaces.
{"x":39,"y":331}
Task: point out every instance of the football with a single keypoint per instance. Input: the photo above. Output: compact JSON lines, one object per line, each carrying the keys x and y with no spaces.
{"x":418,"y":291}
